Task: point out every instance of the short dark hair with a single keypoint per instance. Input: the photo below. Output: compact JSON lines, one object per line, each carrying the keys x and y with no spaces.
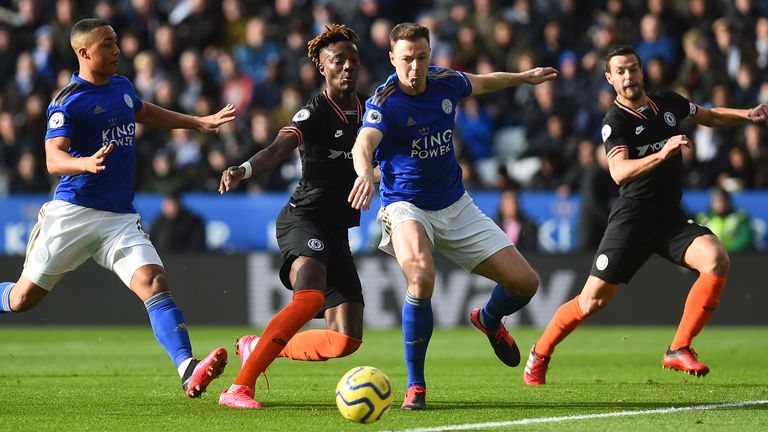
{"x":408,"y":31}
{"x":84,"y":27}
{"x":87,"y":25}
{"x":621,"y":50}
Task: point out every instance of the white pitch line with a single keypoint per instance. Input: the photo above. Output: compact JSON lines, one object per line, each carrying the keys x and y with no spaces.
{"x":584,"y":417}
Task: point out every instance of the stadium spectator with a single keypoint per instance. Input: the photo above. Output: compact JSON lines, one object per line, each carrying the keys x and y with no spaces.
{"x":163,"y":177}
{"x":235,"y":21}
{"x":177,"y":229}
{"x":731,"y":225}
{"x":312,"y":229}
{"x":654,"y":42}
{"x":91,"y":214}
{"x":518,"y":227}
{"x":148,"y":75}
{"x":257,"y":51}
{"x":201,"y":27}
{"x":195,"y":81}
{"x":236,"y":88}
{"x":166,"y":47}
{"x":598,"y":193}
{"x":647,"y":218}
{"x":27,"y":178}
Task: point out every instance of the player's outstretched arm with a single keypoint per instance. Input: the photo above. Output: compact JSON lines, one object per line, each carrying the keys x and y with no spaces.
{"x":156,"y":116}
{"x":59,"y":162}
{"x":491,"y":82}
{"x":263,"y":161}
{"x":724,"y":117}
{"x":362,"y":155}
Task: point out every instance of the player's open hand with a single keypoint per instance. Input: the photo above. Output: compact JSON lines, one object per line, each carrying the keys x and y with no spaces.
{"x":540,"y":74}
{"x":759,"y":114}
{"x":674,"y":145}
{"x":230,"y":178}
{"x":362,"y":192}
{"x":211,"y":123}
{"x":95,"y":163}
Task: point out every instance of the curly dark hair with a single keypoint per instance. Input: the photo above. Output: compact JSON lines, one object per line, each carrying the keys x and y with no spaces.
{"x":334,"y":33}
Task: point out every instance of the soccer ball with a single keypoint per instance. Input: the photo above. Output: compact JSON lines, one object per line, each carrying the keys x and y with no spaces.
{"x":364,"y":394}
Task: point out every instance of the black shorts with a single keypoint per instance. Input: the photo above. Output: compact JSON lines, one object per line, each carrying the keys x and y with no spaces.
{"x":635,"y":231}
{"x":301,"y":236}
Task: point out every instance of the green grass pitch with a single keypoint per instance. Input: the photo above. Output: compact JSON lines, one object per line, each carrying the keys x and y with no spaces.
{"x":118,"y":378}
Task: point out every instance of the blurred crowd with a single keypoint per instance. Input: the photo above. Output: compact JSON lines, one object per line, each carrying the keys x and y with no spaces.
{"x":197,"y":55}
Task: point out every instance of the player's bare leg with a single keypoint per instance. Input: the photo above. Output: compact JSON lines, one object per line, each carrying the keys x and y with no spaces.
{"x":707,"y":255}
{"x":22,"y":295}
{"x":595,"y":296}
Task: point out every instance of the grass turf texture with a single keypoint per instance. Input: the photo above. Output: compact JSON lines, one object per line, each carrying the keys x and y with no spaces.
{"x":118,"y":378}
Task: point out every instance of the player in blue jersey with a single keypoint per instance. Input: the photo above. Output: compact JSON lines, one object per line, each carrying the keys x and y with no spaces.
{"x":424,"y":207}
{"x":90,"y":142}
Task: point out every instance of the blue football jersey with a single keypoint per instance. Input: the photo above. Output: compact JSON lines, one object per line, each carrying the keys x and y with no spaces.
{"x":93,"y":116}
{"x":416,"y":156}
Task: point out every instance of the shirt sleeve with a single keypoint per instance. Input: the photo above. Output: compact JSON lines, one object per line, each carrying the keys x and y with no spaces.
{"x":463,"y":85}
{"x":682,"y":106}
{"x":61,"y":122}
{"x":375,"y":117}
{"x":613,"y":137}
{"x":304,"y":123}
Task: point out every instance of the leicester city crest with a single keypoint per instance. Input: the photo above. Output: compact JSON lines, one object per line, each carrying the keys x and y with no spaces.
{"x":447,"y":106}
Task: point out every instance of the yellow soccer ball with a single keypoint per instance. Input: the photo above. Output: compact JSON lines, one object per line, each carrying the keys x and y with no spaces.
{"x":364,"y":394}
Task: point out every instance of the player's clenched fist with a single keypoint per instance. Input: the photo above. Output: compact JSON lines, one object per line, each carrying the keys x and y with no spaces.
{"x":230,"y":177}
{"x":759,"y":113}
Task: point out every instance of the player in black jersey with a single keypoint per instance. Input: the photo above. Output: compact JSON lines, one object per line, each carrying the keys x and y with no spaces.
{"x":312,"y":227}
{"x":643,"y":140}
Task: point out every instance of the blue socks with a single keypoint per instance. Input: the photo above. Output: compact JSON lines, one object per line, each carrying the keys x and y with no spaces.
{"x":417,"y":330}
{"x":499,"y":305}
{"x":5,"y":296}
{"x":168,"y":324}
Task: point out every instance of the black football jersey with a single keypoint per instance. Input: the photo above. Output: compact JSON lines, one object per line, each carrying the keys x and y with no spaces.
{"x":643,"y":132}
{"x":326,"y":135}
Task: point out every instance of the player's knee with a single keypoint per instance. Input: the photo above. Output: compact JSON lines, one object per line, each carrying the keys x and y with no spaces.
{"x":348,"y":346}
{"x":420,"y":279}
{"x":421,"y":284}
{"x":592,"y":306}
{"x":148,"y":283}
{"x":722,"y":263}
{"x":313,"y":299}
{"x":529,"y":285}
{"x":716,"y":261}
{"x":524,"y":286}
